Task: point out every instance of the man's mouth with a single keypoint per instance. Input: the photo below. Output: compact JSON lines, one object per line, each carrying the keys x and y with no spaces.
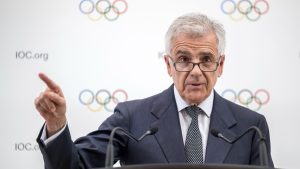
{"x":195,"y":84}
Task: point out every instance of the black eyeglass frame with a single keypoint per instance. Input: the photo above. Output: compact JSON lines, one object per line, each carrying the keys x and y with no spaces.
{"x":198,"y":64}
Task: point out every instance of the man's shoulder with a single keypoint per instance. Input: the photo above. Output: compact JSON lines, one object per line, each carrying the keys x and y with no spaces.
{"x":147,"y":102}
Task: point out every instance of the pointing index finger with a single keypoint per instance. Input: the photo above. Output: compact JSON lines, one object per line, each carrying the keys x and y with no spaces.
{"x":50,"y":83}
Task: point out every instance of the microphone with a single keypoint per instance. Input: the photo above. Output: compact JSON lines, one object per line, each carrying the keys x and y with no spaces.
{"x":262,"y":142}
{"x":109,"y":159}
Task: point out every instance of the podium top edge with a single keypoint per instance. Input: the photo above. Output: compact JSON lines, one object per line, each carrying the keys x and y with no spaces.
{"x":189,"y":166}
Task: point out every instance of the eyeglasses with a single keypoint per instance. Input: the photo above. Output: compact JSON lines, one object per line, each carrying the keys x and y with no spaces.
{"x":208,"y":66}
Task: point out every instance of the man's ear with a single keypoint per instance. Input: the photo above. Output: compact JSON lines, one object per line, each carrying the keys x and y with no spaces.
{"x":167,"y":61}
{"x":221,"y":65}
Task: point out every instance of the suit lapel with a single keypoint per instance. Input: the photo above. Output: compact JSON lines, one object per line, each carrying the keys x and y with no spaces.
{"x":169,"y":135}
{"x":222,"y":120}
{"x":166,"y":119}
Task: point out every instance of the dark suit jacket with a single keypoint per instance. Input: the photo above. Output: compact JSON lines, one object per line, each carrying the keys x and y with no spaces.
{"x":165,"y":146}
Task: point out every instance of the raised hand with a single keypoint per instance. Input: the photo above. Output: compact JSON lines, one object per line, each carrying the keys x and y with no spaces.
{"x":51,"y":105}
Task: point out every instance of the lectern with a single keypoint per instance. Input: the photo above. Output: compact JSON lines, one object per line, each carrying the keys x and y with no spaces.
{"x":188,"y":166}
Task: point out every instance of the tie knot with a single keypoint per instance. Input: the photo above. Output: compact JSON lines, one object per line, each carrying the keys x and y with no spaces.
{"x":193,"y":111}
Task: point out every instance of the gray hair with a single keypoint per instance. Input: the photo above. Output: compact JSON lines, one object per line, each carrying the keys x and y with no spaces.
{"x":195,"y":25}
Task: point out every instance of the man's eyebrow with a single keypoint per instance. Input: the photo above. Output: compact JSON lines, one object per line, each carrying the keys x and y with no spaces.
{"x":183,"y":52}
{"x":206,"y":53}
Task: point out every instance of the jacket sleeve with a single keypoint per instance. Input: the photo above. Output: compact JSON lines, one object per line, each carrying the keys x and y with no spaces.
{"x":88,"y":151}
{"x":60,"y":153}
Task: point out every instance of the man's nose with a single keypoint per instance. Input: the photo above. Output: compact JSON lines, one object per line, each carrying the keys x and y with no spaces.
{"x":196,"y":69}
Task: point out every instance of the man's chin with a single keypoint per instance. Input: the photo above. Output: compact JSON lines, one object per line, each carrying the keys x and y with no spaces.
{"x":195,"y":100}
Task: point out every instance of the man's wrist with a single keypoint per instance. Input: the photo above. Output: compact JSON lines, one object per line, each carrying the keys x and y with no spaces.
{"x":46,"y":139}
{"x":52,"y":129}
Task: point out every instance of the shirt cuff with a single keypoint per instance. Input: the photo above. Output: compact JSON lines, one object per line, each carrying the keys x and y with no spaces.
{"x":48,"y":140}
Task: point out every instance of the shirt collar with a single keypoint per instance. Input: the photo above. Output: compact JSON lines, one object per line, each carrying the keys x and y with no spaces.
{"x":206,"y":105}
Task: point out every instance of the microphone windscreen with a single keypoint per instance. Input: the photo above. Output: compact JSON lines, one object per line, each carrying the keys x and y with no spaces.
{"x":153,"y":130}
{"x":214,"y":132}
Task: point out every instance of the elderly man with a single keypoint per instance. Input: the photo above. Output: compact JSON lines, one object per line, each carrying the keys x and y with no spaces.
{"x":184,"y":113}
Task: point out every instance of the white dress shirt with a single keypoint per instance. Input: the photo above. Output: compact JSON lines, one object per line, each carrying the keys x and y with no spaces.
{"x":54,"y":136}
{"x":203,"y":119}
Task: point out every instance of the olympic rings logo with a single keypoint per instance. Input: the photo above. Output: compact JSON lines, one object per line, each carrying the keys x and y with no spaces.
{"x":102,"y":99}
{"x":247,"y":98}
{"x":245,"y":8}
{"x":110,"y":11}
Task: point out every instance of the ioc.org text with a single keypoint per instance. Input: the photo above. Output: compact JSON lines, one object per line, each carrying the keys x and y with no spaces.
{"x":31,"y":55}
{"x":21,"y":146}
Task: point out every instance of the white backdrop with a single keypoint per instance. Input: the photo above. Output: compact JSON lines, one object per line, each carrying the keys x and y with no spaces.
{"x":80,"y":52}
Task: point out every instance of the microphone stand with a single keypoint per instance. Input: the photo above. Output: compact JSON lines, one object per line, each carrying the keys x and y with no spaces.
{"x":109,"y":159}
{"x":261,"y":140}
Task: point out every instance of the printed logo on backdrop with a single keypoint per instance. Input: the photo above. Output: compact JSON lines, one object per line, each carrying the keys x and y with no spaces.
{"x":250,"y":10}
{"x":31,"y":55}
{"x":247,"y":98}
{"x":26,"y":146}
{"x":95,"y":10}
{"x":102,"y":100}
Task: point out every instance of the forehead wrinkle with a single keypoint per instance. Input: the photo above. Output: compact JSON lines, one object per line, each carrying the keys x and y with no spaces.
{"x":193,"y":45}
{"x":196,"y":44}
{"x":206,"y":49}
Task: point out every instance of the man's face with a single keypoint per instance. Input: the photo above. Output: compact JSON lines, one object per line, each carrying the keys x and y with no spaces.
{"x":196,"y":85}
